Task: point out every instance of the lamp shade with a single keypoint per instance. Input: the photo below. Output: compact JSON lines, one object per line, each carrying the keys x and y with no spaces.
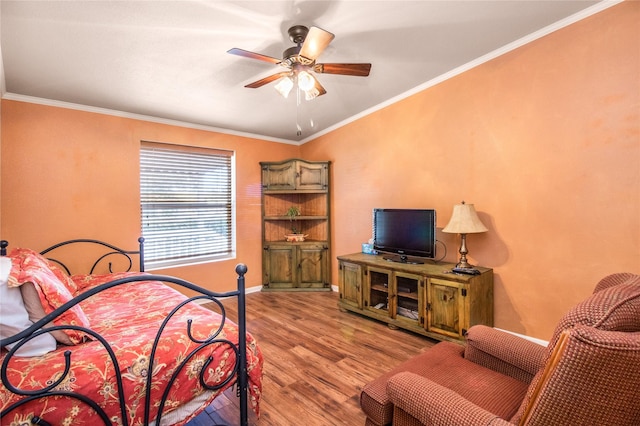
{"x":464,"y":220}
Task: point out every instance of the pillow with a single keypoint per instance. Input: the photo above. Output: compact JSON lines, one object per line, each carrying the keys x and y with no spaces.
{"x":63,"y":277}
{"x":15,"y":317}
{"x":35,"y":311}
{"x":5,"y":269}
{"x":31,"y":267}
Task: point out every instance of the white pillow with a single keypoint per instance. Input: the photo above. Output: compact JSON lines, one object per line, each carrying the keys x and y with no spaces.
{"x":5,"y":269}
{"x":14,"y":317}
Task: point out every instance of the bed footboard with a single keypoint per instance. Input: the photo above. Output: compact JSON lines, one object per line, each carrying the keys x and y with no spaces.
{"x":213,"y":356}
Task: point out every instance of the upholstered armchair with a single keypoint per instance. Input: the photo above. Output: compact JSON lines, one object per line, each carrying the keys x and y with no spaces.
{"x":589,"y":374}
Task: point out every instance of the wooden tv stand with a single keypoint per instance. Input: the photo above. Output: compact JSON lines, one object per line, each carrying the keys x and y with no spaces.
{"x":423,"y":298}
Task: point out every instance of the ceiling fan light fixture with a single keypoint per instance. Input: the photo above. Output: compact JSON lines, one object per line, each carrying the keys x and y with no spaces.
{"x":284,"y":86}
{"x":300,"y":64}
{"x":311,"y":94}
{"x":306,"y":81}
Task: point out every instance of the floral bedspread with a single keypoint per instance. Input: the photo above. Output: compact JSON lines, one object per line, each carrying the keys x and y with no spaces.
{"x":128,"y":317}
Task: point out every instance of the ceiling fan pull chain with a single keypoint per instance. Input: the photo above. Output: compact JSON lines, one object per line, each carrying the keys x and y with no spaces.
{"x":299,"y":133}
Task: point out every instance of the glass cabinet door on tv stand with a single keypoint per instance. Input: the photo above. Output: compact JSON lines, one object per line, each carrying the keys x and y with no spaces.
{"x":408,"y":301}
{"x":378,"y":295}
{"x":395,"y":294}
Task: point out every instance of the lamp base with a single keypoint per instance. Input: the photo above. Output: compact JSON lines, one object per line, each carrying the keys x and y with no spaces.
{"x":464,"y":264}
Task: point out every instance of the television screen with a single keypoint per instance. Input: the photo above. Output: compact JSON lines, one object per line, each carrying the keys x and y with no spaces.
{"x":404,"y":233}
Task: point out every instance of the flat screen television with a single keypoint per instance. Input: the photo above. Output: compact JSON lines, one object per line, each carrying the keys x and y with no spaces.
{"x":405,"y":235}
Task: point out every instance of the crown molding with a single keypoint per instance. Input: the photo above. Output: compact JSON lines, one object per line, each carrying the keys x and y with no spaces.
{"x":599,"y":7}
{"x":141,"y":117}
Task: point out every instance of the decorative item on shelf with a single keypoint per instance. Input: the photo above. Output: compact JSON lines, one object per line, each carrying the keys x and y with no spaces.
{"x":292,"y":213}
{"x":367,"y":248}
{"x":464,"y":220}
{"x":295,"y":237}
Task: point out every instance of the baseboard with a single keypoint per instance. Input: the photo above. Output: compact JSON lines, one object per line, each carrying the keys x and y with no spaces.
{"x":254,"y":289}
{"x":258,"y":288}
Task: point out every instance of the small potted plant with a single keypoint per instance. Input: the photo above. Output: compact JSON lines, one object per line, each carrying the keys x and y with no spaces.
{"x":292,"y":213}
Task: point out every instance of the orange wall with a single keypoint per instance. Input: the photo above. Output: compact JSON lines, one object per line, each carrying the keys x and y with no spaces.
{"x":544,"y":141}
{"x":72,"y":174}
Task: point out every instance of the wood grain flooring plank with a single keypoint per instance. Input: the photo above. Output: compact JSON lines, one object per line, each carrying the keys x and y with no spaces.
{"x":317,"y":359}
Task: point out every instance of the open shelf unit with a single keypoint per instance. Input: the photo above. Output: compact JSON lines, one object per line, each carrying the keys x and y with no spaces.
{"x":295,"y":266}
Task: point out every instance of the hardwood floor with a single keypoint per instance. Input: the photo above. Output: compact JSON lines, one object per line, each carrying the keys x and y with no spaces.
{"x":317,"y":359}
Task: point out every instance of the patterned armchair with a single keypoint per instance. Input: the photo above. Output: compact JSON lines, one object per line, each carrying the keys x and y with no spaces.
{"x":589,"y":374}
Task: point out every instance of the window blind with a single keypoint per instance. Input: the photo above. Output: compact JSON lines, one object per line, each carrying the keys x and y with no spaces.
{"x":186,"y":204}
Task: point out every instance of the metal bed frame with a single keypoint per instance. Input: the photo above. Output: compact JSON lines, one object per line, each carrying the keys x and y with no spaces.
{"x":239,"y":369}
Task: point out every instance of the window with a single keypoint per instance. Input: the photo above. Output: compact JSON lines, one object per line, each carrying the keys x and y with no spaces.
{"x":186,"y":203}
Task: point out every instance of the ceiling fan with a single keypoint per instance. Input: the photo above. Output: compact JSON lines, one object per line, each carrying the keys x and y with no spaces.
{"x":300,"y":62}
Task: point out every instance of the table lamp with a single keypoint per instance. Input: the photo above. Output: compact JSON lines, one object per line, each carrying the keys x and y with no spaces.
{"x":464,"y":221}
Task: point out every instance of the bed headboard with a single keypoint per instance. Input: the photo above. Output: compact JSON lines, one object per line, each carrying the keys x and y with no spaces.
{"x":110,"y":251}
{"x":106,"y":253}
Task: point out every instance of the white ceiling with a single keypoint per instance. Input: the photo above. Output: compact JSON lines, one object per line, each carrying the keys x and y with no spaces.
{"x":168,"y":60}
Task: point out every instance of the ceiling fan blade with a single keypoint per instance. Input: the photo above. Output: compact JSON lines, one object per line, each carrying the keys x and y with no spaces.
{"x":359,"y":70}
{"x":316,"y":41}
{"x":267,"y":80}
{"x":319,"y":88}
{"x":252,"y":55}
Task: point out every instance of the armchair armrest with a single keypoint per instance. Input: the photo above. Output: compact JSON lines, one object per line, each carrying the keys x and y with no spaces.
{"x":504,"y":352}
{"x":432,"y":404}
